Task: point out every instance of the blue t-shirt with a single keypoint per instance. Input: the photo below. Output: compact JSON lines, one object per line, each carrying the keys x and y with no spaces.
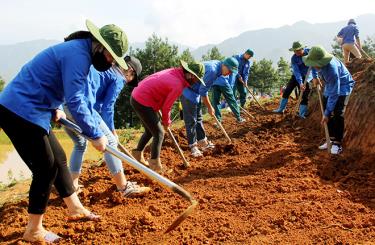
{"x":243,"y":67}
{"x":348,"y":33}
{"x":106,"y":87}
{"x":338,"y":82}
{"x":300,"y":69}
{"x":57,"y":74}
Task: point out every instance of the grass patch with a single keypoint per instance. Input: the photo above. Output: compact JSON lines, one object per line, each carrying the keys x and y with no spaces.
{"x":5,"y":146}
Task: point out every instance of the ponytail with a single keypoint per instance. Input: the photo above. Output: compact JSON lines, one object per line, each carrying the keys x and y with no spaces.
{"x":79,"y":35}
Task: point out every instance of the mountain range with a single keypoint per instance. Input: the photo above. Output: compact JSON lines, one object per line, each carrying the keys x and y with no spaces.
{"x":269,"y":43}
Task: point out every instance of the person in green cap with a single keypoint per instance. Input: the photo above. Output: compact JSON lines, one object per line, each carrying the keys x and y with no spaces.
{"x":155,"y":93}
{"x":221,"y":74}
{"x":297,"y":79}
{"x":338,"y":85}
{"x":31,"y":100}
{"x":242,"y":75}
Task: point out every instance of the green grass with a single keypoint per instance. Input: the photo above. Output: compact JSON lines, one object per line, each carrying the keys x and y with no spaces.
{"x":5,"y":146}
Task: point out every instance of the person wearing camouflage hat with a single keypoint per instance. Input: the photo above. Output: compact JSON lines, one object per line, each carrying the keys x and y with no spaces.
{"x":338,"y":85}
{"x":297,"y":79}
{"x":31,"y":100}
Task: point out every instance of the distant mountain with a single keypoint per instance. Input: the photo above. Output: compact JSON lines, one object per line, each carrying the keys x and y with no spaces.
{"x":269,"y":43}
{"x":14,"y":56}
{"x":273,"y":43}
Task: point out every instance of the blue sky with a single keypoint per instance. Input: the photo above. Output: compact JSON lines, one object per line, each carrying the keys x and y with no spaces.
{"x":193,"y":22}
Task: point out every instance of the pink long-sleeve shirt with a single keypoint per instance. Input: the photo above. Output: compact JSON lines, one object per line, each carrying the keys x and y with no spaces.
{"x":160,"y":90}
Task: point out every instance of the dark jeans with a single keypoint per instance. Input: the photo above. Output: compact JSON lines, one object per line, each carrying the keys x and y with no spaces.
{"x":227,"y":91}
{"x":240,"y":87}
{"x":336,"y":120}
{"x":290,"y":87}
{"x":153,"y":128}
{"x":193,"y":120}
{"x":44,"y":156}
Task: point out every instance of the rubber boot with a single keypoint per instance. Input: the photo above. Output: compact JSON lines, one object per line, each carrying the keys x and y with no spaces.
{"x":282,"y":106}
{"x":138,"y":155}
{"x":155,"y":164}
{"x":303,"y":111}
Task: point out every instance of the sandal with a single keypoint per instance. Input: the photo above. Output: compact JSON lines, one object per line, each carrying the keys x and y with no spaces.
{"x":48,"y":238}
{"x":82,"y":217}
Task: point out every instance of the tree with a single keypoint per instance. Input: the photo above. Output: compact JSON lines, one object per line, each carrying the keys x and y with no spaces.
{"x":157,"y":55}
{"x":213,"y":54}
{"x":336,"y":49}
{"x":369,"y":46}
{"x":2,"y":84}
{"x":283,"y":71}
{"x":263,"y":76}
{"x":186,"y":56}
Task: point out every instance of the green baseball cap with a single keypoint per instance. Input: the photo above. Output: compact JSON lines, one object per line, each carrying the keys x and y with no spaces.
{"x":317,"y":57}
{"x":297,"y":46}
{"x":113,"y":39}
{"x":195,"y":68}
{"x":250,"y":52}
{"x":231,"y":63}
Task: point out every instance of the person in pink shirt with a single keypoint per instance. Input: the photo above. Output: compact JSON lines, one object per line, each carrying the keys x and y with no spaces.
{"x":155,"y":93}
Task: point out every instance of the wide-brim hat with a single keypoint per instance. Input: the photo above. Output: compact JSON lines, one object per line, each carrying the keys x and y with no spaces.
{"x":317,"y":57}
{"x":297,"y":46}
{"x":195,"y":68}
{"x":113,"y":39}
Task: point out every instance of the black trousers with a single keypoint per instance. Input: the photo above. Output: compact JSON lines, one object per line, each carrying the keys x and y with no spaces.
{"x":43,"y":155}
{"x":290,"y":87}
{"x":153,"y":128}
{"x":336,"y":120}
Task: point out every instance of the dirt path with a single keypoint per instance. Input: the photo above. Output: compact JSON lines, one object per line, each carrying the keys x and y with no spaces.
{"x":273,"y":187}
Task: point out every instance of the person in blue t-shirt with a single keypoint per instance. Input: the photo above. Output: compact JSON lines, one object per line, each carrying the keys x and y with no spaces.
{"x":297,"y":79}
{"x":244,"y":65}
{"x":350,"y":42}
{"x":31,"y":100}
{"x":104,"y":88}
{"x":338,"y":87}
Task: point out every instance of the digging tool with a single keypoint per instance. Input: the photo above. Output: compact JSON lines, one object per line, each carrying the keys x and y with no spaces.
{"x":164,"y":182}
{"x":363,"y":52}
{"x":124,"y":150}
{"x":246,"y":112}
{"x":222,"y":129}
{"x":301,"y":92}
{"x":328,"y":139}
{"x":178,"y":148}
{"x":248,"y":89}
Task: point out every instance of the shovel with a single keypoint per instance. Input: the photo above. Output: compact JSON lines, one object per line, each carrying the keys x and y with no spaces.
{"x":246,"y":112}
{"x":248,"y":89}
{"x":222,"y":129}
{"x":178,"y":148}
{"x":124,"y":150}
{"x":363,"y":52}
{"x":328,"y":139}
{"x":164,"y":182}
{"x":301,"y":92}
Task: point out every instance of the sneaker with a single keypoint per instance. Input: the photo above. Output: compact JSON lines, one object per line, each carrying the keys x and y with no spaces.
{"x":241,"y":120}
{"x":132,"y":189}
{"x":205,"y":144}
{"x":324,"y":146}
{"x":195,"y":152}
{"x":336,"y":149}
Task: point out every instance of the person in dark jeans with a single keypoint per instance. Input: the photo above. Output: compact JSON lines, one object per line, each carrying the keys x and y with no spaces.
{"x":30,"y":101}
{"x":297,"y":79}
{"x":338,"y":87}
{"x":156,"y":93}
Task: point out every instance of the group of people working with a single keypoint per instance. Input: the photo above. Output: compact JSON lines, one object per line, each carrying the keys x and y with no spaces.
{"x":81,"y":78}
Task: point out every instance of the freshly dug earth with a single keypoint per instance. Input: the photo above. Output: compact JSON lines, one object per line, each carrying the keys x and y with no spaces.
{"x":272,"y":186}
